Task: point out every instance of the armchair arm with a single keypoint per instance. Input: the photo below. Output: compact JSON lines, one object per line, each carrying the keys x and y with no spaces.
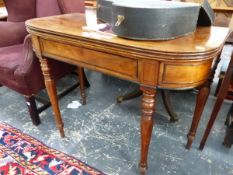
{"x":12,"y":33}
{"x":30,"y":70}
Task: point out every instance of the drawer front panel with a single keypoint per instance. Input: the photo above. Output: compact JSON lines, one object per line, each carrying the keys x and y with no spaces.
{"x":103,"y":62}
{"x":175,"y":75}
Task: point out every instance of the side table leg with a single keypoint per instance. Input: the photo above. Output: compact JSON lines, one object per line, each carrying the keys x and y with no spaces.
{"x":200,"y":104}
{"x":52,"y":92}
{"x":220,"y":98}
{"x":82,"y":84}
{"x":211,"y":121}
{"x":148,"y":109}
{"x":167,"y":103}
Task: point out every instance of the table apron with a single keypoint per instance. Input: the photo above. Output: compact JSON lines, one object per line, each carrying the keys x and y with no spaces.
{"x":153,"y":73}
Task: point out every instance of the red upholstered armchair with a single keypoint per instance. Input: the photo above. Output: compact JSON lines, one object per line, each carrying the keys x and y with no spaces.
{"x":19,"y":68}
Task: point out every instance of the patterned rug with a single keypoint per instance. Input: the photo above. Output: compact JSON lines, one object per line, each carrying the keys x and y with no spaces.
{"x":20,"y":154}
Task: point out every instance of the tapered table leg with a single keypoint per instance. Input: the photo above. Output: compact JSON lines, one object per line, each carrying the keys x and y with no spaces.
{"x":227,"y":80}
{"x":82,"y":84}
{"x":148,"y":109}
{"x":202,"y":97}
{"x":52,"y":92}
{"x":212,"y":119}
{"x":200,"y":104}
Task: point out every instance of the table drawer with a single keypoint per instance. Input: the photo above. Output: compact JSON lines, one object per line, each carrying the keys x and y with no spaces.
{"x":184,"y":75}
{"x":100,"y":61}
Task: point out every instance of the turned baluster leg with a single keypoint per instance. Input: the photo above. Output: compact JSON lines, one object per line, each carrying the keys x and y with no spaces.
{"x":52,"y":92}
{"x":148,"y":109}
{"x":82,"y":84}
{"x":202,"y":97}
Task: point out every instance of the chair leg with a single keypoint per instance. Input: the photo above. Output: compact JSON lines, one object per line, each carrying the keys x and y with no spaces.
{"x":31,"y":104}
{"x":228,"y":139}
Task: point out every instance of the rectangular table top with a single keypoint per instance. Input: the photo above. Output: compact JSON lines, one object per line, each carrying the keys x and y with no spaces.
{"x":204,"y":39}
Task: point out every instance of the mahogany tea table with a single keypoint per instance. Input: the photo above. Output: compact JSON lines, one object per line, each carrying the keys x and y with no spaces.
{"x":182,"y":63}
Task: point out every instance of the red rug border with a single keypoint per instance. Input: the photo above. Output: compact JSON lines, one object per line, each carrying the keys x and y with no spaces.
{"x":47,"y":148}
